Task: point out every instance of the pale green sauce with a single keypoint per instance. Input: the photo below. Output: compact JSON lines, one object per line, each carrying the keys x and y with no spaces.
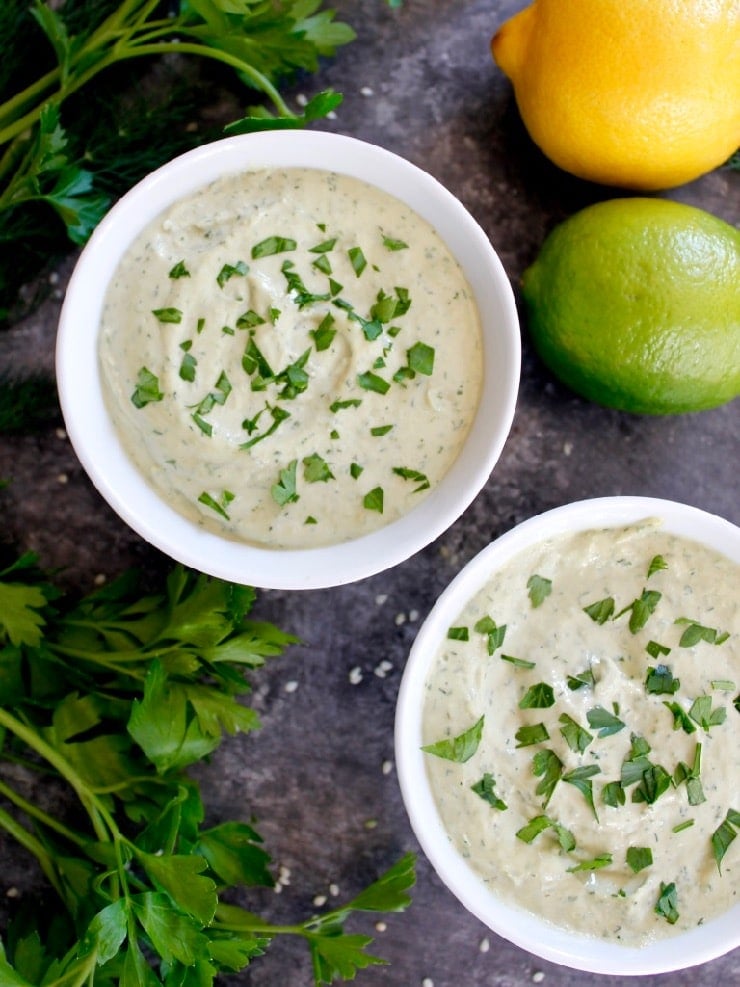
{"x":344,"y":440}
{"x":465,"y":682}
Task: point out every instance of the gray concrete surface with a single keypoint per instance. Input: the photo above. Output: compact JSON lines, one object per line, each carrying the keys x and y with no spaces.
{"x":419,"y":81}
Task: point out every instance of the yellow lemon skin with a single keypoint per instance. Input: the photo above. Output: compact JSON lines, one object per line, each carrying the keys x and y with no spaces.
{"x":638,"y":94}
{"x":635,"y":304}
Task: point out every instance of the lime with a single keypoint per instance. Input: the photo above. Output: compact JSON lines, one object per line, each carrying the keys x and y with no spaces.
{"x":635,"y":304}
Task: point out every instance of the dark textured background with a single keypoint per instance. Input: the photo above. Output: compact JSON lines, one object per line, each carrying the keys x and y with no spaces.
{"x":319,"y":777}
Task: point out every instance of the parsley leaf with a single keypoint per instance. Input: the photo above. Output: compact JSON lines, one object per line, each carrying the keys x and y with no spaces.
{"x":460,"y":748}
{"x":485,"y":788}
{"x":539,"y":589}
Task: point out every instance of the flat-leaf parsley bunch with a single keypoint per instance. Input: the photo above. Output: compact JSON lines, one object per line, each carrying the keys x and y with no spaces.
{"x":113,"y":698}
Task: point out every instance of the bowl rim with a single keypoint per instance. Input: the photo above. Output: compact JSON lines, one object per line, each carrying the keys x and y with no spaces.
{"x":512,"y":922}
{"x":98,"y":447}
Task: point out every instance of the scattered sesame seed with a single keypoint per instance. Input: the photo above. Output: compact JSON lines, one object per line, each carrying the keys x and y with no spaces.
{"x":319,"y":900}
{"x":413,"y":615}
{"x":61,"y":433}
{"x":400,"y":619}
{"x":301,"y":99}
{"x":331,"y":115}
{"x":333,"y":890}
{"x":284,"y":875}
{"x":567,"y":448}
{"x":427,"y":982}
{"x":100,"y":579}
{"x":367,"y":91}
{"x":484,"y":946}
{"x":380,"y":926}
{"x":12,"y":893}
{"x":291,"y":686}
{"x":387,"y":767}
{"x":380,"y":599}
{"x":54,"y":277}
{"x":62,"y":478}
{"x":355,"y":675}
{"x":537,"y":977}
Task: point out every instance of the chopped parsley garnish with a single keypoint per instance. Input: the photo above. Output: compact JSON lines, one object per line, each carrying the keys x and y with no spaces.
{"x":324,"y":247}
{"x":539,"y":589}
{"x":701,"y":712}
{"x":605,"y":722}
{"x":667,"y":903}
{"x":584,"y":678}
{"x":651,"y":780}
{"x":493,"y":631}
{"x":724,"y":836}
{"x":373,"y":500}
{"x":687,"y":824}
{"x":229,"y":271}
{"x":324,"y":333}
{"x":517,"y":662}
{"x":391,"y":243}
{"x":147,"y":389}
{"x":695,"y":632}
{"x":272,"y":245}
{"x":601,"y":610}
{"x":581,"y":779}
{"x":538,"y":696}
{"x":660,"y":680}
{"x":612,"y":794}
{"x":656,"y":650}
{"x":250,"y":425}
{"x":316,"y":469}
{"x":406,"y":473}
{"x":485,"y":788}
{"x":179,"y":271}
{"x":458,"y":634}
{"x":680,"y":717}
{"x":357,"y":260}
{"x":421,"y":358}
{"x":690,"y":775}
{"x":461,"y":748}
{"x":284,"y":491}
{"x":187,"y":367}
{"x":639,"y":857}
{"x":657,"y":563}
{"x":355,"y":470}
{"x":341,"y":405}
{"x":539,"y":824}
{"x":219,"y":506}
{"x":547,"y":766}
{"x":535,"y":733}
{"x":641,"y":609}
{"x":249,"y":319}
{"x":594,"y":863}
{"x":378,"y":431}
{"x":373,"y":382}
{"x":574,"y":734}
{"x":168,"y":315}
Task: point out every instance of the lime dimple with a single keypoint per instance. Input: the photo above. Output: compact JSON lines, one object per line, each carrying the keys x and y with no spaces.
{"x":635,"y":304}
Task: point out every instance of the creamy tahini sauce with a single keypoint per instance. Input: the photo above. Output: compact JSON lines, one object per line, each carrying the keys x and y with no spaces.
{"x":465,"y":683}
{"x":352,"y":428}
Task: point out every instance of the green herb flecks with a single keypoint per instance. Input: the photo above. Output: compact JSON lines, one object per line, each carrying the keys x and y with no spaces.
{"x":593,"y":863}
{"x":458,"y":634}
{"x":373,"y":500}
{"x":495,"y":633}
{"x":667,"y":904}
{"x":539,"y":588}
{"x":147,"y":389}
{"x":638,"y":858}
{"x":460,"y":748}
{"x":357,"y":259}
{"x":538,"y":696}
{"x":640,"y":609}
{"x":601,"y":610}
{"x":179,"y":270}
{"x":580,"y":778}
{"x":547,"y":766}
{"x":414,"y":476}
{"x":660,"y":680}
{"x":651,"y":780}
{"x":691,"y":776}
{"x":695,"y":632}
{"x":278,"y":416}
{"x":540,"y":824}
{"x":316,"y":469}
{"x":220,"y":505}
{"x":724,"y":836}
{"x":605,"y":722}
{"x":229,"y":271}
{"x":535,"y":733}
{"x":284,"y":491}
{"x":486,"y":789}
{"x":169,"y":315}
{"x":574,"y":734}
{"x":272,"y":245}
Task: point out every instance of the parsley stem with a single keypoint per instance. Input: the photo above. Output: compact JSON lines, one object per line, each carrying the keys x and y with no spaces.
{"x":34,"y":812}
{"x":33,"y":845}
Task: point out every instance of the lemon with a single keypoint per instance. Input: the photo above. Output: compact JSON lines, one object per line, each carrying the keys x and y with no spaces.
{"x":635,"y":304}
{"x":639,"y":94}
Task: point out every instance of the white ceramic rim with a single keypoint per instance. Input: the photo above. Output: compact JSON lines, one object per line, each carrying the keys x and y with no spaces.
{"x":98,"y":447}
{"x":520,"y":927}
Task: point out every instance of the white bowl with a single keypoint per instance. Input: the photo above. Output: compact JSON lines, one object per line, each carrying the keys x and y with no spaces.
{"x":519,"y":926}
{"x":97,"y":444}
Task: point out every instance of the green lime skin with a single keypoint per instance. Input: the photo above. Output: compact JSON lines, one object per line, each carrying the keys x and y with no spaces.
{"x":635,"y":304}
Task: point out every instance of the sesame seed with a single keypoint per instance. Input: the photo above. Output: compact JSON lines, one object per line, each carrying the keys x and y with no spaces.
{"x":484,"y":945}
{"x":319,"y":900}
{"x":355,"y":675}
{"x":413,"y":615}
{"x":12,"y":893}
{"x":380,"y":926}
{"x":291,"y":686}
{"x":301,"y":99}
{"x":61,"y":433}
{"x":380,"y":599}
{"x":333,"y":890}
{"x":427,"y":982}
{"x":367,"y":91}
{"x":537,"y":977}
{"x":62,"y":478}
{"x":400,"y":619}
{"x":387,"y":767}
